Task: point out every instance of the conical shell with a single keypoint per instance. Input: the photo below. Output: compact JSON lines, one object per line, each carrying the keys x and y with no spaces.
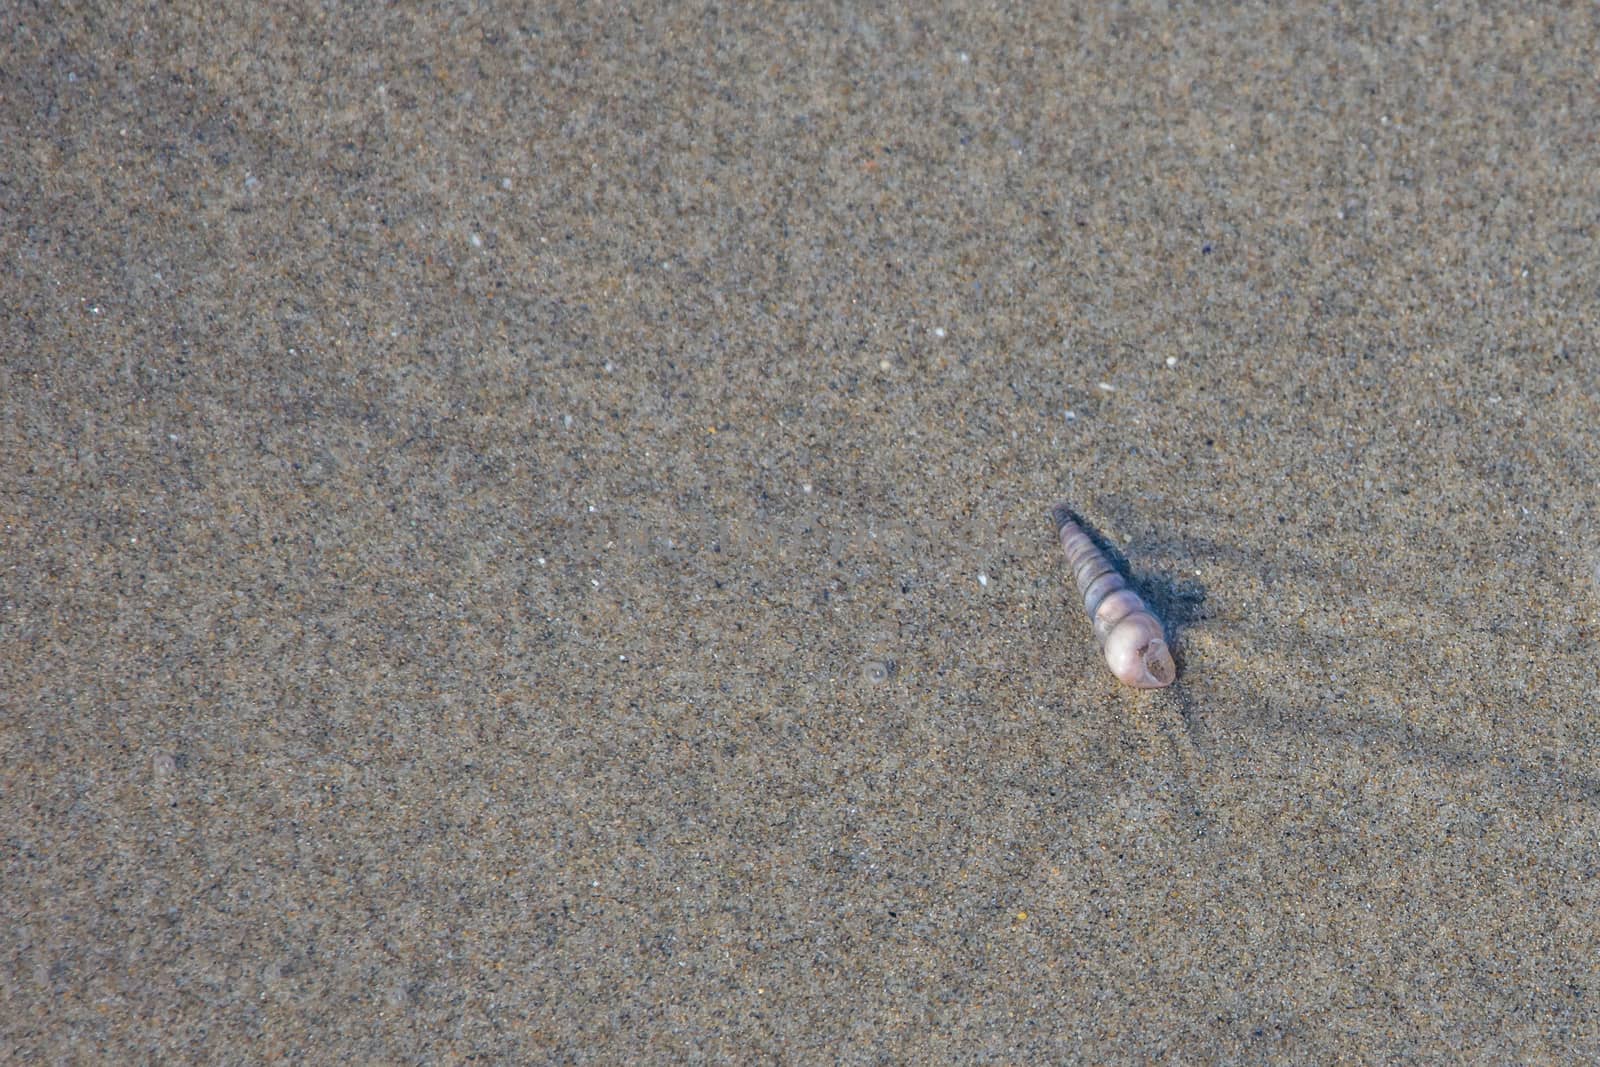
{"x":1129,"y":633}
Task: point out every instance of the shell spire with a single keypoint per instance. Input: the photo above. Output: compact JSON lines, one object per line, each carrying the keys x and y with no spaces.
{"x":1129,"y":633}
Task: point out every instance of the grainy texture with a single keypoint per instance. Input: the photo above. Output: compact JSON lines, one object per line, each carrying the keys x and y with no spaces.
{"x":522,"y":532}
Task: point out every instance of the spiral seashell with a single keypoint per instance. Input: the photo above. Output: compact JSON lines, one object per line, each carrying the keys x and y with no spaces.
{"x":1129,"y":633}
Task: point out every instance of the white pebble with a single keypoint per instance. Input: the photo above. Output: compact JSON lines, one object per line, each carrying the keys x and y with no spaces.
{"x":983,"y":580}
{"x":1106,"y":387}
{"x":938,"y":331}
{"x":1172,"y":361}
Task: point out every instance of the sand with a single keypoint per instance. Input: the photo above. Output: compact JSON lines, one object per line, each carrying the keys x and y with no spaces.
{"x":524,"y":534}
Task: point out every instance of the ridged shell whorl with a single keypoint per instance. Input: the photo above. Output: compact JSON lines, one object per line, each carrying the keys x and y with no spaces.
{"x":1131,"y":636}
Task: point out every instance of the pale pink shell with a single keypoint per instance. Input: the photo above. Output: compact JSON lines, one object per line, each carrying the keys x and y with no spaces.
{"x":1131,"y":636}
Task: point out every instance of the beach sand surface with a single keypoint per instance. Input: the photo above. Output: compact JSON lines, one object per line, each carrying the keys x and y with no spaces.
{"x":524,"y":533}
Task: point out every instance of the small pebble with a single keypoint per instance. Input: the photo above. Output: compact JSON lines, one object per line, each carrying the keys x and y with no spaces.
{"x":877,"y":671}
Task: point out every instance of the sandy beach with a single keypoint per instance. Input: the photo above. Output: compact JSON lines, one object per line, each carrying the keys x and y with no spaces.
{"x":525,"y":533}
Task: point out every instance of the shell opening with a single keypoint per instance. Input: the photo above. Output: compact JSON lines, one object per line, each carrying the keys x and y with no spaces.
{"x":1137,"y":653}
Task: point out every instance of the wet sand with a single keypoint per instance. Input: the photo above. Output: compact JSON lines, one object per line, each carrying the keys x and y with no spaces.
{"x":526,"y":535}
